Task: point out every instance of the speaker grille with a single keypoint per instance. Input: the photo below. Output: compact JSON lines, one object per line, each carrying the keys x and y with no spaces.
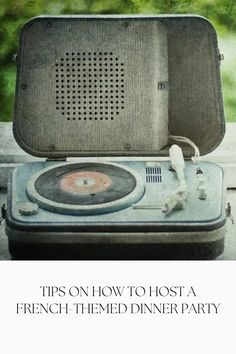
{"x":153,"y":175}
{"x":89,"y":86}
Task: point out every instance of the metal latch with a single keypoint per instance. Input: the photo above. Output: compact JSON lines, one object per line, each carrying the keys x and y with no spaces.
{"x":3,"y":213}
{"x":229,"y":212}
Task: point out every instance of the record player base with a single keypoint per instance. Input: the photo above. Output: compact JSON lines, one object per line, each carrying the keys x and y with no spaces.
{"x":94,"y":246}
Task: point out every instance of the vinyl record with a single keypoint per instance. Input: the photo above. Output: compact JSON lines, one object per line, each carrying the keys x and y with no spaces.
{"x":85,"y":188}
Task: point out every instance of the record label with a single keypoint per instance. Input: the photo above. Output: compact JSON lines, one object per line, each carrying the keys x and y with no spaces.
{"x":85,"y":182}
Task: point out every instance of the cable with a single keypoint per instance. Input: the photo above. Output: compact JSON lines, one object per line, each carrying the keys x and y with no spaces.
{"x":183,"y":139}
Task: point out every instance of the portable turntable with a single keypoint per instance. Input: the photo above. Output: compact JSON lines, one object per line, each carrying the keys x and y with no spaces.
{"x":119,"y":94}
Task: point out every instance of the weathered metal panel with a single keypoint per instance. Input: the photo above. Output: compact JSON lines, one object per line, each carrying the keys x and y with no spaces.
{"x":112,"y":85}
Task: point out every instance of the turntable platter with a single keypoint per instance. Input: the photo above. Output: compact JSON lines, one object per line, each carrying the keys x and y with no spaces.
{"x":85,"y":188}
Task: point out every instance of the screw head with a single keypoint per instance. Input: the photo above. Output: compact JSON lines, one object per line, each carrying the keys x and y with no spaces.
{"x":127,"y":146}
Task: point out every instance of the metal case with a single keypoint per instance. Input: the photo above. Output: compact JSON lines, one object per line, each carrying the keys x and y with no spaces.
{"x":98,"y":86}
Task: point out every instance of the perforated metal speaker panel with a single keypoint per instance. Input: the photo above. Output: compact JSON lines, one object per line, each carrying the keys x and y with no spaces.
{"x":90,"y":86}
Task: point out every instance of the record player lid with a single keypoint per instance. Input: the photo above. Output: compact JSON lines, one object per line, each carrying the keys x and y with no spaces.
{"x":117,"y":85}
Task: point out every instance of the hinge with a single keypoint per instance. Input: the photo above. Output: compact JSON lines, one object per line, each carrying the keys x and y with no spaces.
{"x":15,"y":57}
{"x":221,"y":56}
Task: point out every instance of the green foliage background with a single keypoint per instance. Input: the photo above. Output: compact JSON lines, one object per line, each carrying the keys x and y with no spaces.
{"x":14,"y":13}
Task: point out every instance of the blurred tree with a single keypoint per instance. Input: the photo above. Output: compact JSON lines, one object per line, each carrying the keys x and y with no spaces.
{"x":14,"y":13}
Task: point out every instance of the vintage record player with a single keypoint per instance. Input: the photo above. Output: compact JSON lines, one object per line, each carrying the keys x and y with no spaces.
{"x":116,"y":95}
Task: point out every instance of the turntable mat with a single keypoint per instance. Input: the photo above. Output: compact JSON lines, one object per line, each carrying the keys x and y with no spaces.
{"x":85,"y":183}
